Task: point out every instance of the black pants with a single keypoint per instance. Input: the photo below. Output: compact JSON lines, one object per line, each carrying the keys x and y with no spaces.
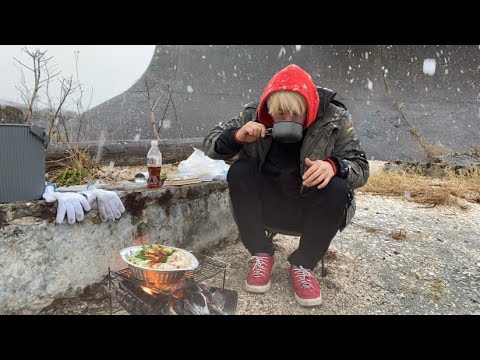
{"x":316,"y":213}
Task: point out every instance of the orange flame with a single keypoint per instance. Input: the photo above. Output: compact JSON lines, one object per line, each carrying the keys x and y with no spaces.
{"x":177,"y":294}
{"x":148,"y":290}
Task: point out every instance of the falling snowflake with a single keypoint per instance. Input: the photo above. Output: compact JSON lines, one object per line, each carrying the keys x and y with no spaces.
{"x":429,"y":66}
{"x":166,"y":124}
{"x":189,"y":89}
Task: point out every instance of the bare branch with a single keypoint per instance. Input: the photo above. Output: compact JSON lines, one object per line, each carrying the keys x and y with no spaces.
{"x":44,"y":72}
{"x":156,"y":103}
{"x":147,"y":93}
{"x":175,"y":113}
{"x":81,"y":109}
{"x":21,"y":63}
{"x":23,"y":89}
{"x":67,"y":86}
{"x":30,"y":97}
{"x":157,"y":94}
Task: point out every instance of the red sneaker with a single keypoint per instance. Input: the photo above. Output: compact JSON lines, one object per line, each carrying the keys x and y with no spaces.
{"x":258,"y":278}
{"x":307,"y":291}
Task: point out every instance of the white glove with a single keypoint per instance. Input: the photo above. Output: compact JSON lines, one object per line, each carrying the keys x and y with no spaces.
{"x":70,"y":203}
{"x":110,"y":206}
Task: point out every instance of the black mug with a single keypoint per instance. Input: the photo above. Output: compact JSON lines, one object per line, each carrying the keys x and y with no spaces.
{"x":286,"y":131}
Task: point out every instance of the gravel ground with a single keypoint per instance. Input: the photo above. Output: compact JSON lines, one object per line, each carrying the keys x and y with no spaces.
{"x":428,"y":262}
{"x":397,"y":257}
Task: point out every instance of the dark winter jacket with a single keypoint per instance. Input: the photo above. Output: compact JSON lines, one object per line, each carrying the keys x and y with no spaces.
{"x":330,"y":134}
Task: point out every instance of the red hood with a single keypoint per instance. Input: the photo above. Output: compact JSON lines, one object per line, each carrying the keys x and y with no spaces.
{"x":292,"y":78}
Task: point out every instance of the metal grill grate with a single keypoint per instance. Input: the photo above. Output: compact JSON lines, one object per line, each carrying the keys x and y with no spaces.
{"x":206,"y":269}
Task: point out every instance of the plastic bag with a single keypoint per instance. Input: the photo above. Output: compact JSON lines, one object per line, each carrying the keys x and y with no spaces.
{"x":205,"y":168}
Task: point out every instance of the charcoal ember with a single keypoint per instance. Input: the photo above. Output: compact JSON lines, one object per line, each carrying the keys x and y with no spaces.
{"x":221,"y":301}
{"x":196,"y":302}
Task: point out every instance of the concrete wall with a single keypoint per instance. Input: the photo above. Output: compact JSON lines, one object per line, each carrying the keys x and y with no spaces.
{"x":41,"y":261}
{"x":209,"y":84}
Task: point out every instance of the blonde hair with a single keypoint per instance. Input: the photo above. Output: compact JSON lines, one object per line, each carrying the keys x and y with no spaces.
{"x":286,"y":102}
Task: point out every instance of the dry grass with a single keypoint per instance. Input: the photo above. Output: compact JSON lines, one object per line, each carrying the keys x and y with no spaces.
{"x":370,"y":229}
{"x":452,"y":189}
{"x":399,"y":234}
{"x":81,"y":159}
{"x":438,"y":290}
{"x":331,"y":255}
{"x":431,"y":150}
{"x":82,"y":169}
{"x":110,"y":174}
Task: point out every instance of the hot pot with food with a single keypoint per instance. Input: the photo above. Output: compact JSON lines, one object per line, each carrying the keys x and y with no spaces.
{"x":159,"y":265}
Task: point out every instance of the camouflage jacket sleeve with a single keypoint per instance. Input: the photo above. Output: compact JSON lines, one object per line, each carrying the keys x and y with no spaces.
{"x":236,"y":122}
{"x":348,"y":149}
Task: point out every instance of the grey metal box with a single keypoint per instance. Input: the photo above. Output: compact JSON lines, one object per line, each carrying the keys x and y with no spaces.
{"x":22,"y":162}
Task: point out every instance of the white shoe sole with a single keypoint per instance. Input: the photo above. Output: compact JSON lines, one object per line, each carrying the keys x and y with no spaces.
{"x":258,"y":289}
{"x":309,"y":302}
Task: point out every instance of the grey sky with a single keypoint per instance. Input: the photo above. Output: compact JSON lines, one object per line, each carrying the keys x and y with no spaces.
{"x":107,"y":69}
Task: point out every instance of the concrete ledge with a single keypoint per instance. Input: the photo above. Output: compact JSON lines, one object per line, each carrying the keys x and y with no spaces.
{"x":41,"y":261}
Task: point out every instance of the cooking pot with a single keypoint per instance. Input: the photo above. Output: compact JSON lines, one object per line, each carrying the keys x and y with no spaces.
{"x":160,"y":278}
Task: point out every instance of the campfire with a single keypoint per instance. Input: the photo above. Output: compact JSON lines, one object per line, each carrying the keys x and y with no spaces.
{"x":188,"y":296}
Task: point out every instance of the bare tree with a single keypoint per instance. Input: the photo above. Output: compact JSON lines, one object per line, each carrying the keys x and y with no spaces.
{"x":45,"y":73}
{"x":153,"y":92}
{"x":40,"y":66}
